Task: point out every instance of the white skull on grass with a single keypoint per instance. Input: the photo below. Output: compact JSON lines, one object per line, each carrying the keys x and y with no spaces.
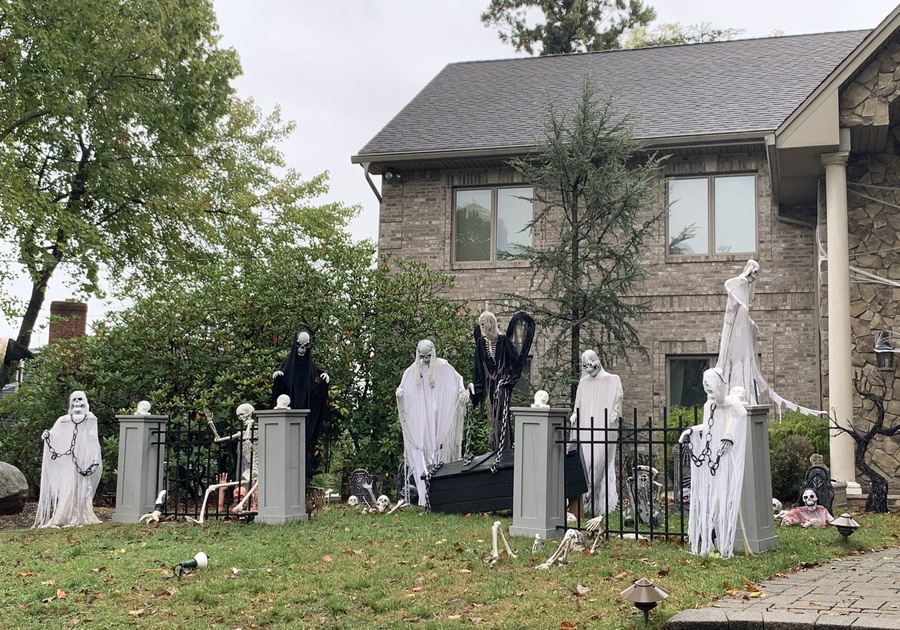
{"x":382,"y":503}
{"x":353,"y":501}
{"x":303,"y":343}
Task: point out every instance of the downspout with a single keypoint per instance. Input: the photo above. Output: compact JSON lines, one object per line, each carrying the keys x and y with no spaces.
{"x":365,"y":166}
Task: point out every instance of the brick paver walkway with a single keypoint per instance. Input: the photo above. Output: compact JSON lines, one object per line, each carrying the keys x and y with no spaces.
{"x":859,"y":592}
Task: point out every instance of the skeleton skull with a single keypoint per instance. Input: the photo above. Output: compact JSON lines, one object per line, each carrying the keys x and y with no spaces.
{"x":487,"y":321}
{"x":77,"y":402}
{"x":353,"y":501}
{"x":590,"y":362}
{"x":776,"y":506}
{"x":283,"y":402}
{"x":143,"y":408}
{"x":303,"y":343}
{"x":425,"y":352}
{"x":382,"y":503}
{"x":245,"y":413}
{"x":810,"y":499}
{"x":541,"y":399}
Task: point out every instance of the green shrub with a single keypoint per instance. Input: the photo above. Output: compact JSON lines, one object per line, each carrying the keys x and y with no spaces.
{"x":792,"y":440}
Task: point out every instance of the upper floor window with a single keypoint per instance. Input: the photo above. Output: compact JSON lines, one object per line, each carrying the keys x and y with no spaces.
{"x":491,"y":223}
{"x":712,"y":215}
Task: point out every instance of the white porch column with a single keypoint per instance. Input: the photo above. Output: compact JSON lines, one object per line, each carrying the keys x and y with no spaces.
{"x":840,"y":372}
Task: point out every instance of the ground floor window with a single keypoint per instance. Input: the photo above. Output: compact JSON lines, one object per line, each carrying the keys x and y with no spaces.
{"x":685,"y":374}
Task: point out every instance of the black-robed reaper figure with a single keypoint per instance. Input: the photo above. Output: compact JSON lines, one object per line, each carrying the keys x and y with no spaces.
{"x":307,"y":386}
{"x":499,"y":359}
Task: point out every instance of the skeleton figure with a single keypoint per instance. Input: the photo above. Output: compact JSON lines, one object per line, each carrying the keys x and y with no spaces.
{"x":245,"y":487}
{"x":811,"y":514}
{"x":717,"y":452}
{"x":538,"y":544}
{"x":497,"y":532}
{"x":498,"y":367}
{"x":71,"y":468}
{"x":431,"y":404}
{"x":573,"y":540}
{"x":593,"y":525}
{"x":644,"y":493}
{"x":598,"y":407}
{"x":361,"y":487}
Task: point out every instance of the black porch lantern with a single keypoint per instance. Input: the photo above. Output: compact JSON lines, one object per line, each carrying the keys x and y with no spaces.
{"x":884,"y":351}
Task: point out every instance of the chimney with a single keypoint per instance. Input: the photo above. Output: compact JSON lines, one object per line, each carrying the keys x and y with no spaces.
{"x":68,"y":319}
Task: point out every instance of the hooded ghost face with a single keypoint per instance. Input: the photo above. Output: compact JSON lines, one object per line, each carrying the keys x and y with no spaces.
{"x":714,"y":384}
{"x":590,"y":363}
{"x":303,"y":343}
{"x":751,"y":270}
{"x":78,"y":402}
{"x":425,"y":352}
{"x":810,"y":499}
{"x":488,"y":324}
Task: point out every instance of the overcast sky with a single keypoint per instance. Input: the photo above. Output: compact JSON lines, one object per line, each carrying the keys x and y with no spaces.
{"x":341,"y":69}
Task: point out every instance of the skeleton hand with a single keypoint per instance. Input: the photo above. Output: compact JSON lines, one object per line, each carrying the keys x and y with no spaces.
{"x":45,"y":435}
{"x":538,"y":544}
{"x":685,"y":437}
{"x":471,"y":389}
{"x":276,"y":374}
{"x":725,"y":447}
{"x":399,"y":392}
{"x":324,"y":376}
{"x":151,"y":517}
{"x":573,"y":419}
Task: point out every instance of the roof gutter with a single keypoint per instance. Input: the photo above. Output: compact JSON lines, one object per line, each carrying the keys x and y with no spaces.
{"x":365,"y":166}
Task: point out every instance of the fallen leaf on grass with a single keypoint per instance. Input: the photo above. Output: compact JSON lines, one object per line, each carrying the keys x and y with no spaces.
{"x":98,"y":570}
{"x":416,"y":589}
{"x":48,"y":583}
{"x":24,"y":574}
{"x":60,"y":593}
{"x":582,"y":590}
{"x":751,"y":589}
{"x":327,"y":559}
{"x":732,"y":591}
{"x":568,"y":625}
{"x":476,"y":620}
{"x":463,"y":571}
{"x":136,"y":613}
{"x":619,"y":576}
{"x":454,"y":617}
{"x":757,"y":595}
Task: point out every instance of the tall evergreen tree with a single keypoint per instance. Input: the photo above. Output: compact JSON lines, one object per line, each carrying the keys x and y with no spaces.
{"x":593,"y":195}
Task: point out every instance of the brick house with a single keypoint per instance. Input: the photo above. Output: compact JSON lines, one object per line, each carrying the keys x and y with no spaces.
{"x":774,"y":145}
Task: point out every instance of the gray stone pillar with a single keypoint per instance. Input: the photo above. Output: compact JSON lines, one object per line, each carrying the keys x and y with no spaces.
{"x":539,"y":504}
{"x":282,"y":465}
{"x":140,"y":471}
{"x":756,"y":525}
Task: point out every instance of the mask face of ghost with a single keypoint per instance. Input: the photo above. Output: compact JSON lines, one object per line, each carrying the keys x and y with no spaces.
{"x":590,"y":363}
{"x":77,"y":402}
{"x":488,"y":324}
{"x":713,"y":385}
{"x":424,"y":351}
{"x":810,"y":500}
{"x":303,"y":343}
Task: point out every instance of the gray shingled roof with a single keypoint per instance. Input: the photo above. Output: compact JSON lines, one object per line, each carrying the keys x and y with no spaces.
{"x":671,"y":91}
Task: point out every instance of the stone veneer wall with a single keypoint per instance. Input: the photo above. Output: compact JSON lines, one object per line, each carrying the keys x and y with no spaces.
{"x":874,"y":240}
{"x":687,"y":293}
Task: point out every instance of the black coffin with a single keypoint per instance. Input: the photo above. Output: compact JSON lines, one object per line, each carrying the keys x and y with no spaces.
{"x":457,"y":488}
{"x":460,"y":488}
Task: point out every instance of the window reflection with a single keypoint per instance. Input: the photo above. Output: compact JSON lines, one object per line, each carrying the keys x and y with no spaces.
{"x":480,"y":213}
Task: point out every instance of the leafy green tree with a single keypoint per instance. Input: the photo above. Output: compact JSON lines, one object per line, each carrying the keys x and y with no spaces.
{"x":593,"y":197}
{"x":122,"y":145}
{"x":674,"y":34}
{"x":569,"y":25}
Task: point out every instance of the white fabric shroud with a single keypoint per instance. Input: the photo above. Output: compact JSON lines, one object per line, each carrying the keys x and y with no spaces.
{"x":716,"y":498}
{"x":432,"y":412}
{"x":598,"y":401}
{"x":66,"y":498}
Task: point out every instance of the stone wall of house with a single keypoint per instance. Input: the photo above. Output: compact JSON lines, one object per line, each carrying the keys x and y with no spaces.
{"x":686,"y":293}
{"x":873,"y":206}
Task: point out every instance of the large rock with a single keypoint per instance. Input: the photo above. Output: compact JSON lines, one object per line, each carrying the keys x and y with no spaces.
{"x":13,"y":489}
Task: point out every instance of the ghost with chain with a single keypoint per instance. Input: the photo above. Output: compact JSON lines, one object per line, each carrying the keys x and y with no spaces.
{"x":717,"y":452}
{"x":71,"y":468}
{"x":431,"y":403}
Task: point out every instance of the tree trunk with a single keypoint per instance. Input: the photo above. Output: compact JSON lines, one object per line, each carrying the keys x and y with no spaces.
{"x":35,"y":302}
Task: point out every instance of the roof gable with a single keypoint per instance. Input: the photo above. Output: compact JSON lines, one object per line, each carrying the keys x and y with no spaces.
{"x":740,"y":87}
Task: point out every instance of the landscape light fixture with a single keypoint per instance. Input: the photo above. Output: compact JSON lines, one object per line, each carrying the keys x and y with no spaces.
{"x":644,"y":594}
{"x":199,"y":561}
{"x":845,"y":525}
{"x":884,"y":351}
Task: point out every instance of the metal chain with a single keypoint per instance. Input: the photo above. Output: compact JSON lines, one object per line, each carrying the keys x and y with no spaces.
{"x":428,"y":473}
{"x":706,"y":453}
{"x":468,"y":455}
{"x":504,"y":421}
{"x":54,"y":455}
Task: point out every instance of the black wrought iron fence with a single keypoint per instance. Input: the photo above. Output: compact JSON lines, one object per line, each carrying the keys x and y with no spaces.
{"x":194,"y":463}
{"x":636,"y":475}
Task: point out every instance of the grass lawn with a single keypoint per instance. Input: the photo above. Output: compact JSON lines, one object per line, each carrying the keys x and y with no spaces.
{"x":347,"y":570}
